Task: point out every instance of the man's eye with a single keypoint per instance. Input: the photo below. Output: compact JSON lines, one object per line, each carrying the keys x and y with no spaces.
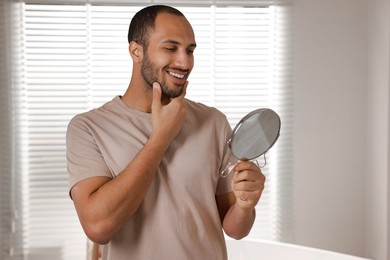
{"x":169,"y":49}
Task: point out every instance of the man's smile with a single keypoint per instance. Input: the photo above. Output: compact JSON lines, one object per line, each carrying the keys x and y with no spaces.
{"x":176,"y":75}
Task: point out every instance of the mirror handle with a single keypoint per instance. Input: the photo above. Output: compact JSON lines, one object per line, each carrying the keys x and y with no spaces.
{"x":265,"y":162}
{"x":229,"y":167}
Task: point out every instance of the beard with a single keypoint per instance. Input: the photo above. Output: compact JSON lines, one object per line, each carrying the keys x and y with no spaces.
{"x":149,"y":73}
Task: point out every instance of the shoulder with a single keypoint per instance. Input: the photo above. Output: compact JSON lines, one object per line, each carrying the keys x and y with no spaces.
{"x":93,"y":116}
{"x":206,"y":119}
{"x":202,"y":111}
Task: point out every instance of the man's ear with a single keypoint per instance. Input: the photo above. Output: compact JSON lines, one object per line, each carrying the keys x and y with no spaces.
{"x":135,"y":51}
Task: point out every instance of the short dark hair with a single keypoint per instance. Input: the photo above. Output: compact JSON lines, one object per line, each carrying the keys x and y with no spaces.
{"x":145,"y":19}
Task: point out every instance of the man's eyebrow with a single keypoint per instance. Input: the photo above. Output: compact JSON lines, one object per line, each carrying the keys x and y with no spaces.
{"x":193,"y":45}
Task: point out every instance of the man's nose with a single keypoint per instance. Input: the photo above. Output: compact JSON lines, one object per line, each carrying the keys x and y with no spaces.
{"x":184,"y":60}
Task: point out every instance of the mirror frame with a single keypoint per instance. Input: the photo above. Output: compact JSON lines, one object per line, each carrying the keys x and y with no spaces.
{"x":242,"y":121}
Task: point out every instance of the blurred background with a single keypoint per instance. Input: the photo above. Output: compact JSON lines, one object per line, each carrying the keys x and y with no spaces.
{"x":324,"y":66}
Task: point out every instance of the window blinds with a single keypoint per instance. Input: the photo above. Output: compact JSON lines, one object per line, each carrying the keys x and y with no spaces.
{"x":73,"y":57}
{"x":11,"y":240}
{"x":5,"y":135}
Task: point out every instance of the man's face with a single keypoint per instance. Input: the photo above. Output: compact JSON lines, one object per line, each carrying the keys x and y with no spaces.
{"x":169,"y":58}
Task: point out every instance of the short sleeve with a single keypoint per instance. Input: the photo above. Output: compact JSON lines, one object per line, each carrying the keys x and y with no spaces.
{"x":84,"y":159}
{"x":224,"y":183}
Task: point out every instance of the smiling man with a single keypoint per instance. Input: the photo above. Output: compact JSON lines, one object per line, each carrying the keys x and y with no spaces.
{"x":144,"y":167}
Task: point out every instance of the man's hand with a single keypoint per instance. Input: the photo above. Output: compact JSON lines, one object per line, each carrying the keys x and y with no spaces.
{"x":168,"y":119}
{"x":237,"y":208}
{"x":247,"y":184}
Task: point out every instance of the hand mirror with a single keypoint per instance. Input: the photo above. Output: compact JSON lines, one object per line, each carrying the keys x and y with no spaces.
{"x":253,"y":136}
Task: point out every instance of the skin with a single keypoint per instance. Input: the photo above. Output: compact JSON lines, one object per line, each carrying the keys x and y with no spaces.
{"x":105,"y":205}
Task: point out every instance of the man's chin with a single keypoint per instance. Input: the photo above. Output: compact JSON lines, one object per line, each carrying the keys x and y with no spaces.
{"x":169,"y":93}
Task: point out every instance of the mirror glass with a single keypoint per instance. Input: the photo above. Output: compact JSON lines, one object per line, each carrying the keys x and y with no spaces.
{"x":253,"y":136}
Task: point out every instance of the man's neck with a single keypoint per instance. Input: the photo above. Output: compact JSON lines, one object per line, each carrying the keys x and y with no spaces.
{"x":139,"y":98}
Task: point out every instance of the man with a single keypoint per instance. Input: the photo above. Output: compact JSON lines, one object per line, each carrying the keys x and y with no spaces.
{"x":144,"y":168}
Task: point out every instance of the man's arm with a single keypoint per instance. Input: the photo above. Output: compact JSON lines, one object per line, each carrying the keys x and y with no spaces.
{"x":105,"y":205}
{"x":237,"y":208}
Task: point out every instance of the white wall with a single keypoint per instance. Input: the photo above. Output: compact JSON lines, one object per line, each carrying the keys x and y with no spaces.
{"x":377,"y":171}
{"x":330,"y":124}
{"x":342,"y":126}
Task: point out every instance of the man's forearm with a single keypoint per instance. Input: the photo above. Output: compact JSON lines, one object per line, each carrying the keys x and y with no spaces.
{"x":239,"y":221}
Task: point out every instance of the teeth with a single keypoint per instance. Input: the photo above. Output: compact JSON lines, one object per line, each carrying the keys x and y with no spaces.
{"x":180,"y":76}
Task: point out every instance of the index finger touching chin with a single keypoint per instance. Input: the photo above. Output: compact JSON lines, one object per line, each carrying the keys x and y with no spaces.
{"x":184,"y":92}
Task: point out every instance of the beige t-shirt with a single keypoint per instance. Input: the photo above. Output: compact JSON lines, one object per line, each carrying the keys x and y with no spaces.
{"x":178,"y":218}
